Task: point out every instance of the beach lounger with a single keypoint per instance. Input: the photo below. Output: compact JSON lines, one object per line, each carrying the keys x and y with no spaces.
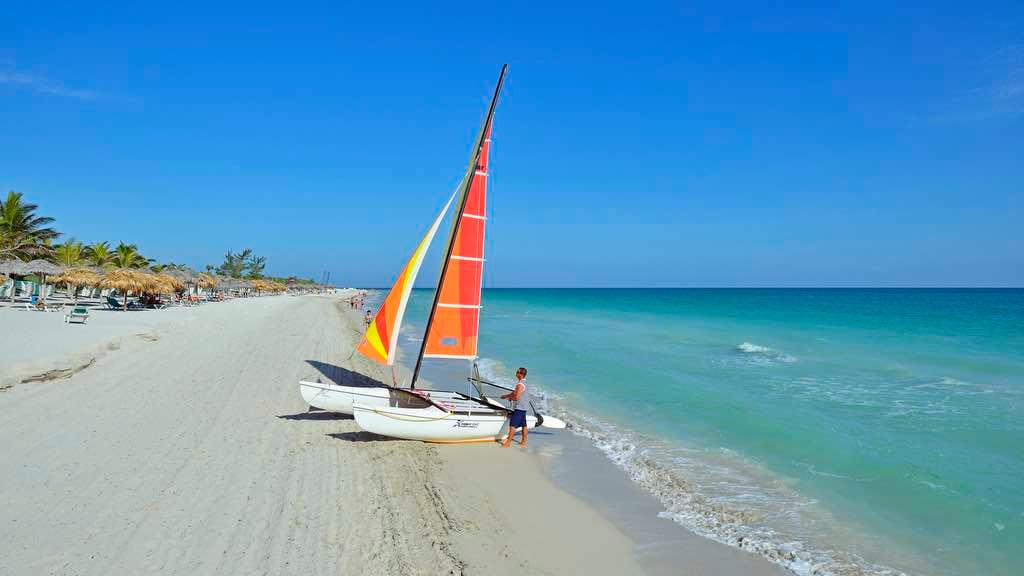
{"x":78,"y":314}
{"x":113,"y":304}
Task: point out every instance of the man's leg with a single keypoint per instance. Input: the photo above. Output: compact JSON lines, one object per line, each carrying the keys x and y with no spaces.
{"x":522,"y":443}
{"x":508,"y":440}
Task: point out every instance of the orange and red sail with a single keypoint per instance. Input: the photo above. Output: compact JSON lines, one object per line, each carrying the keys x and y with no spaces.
{"x":455,"y":327}
{"x":380,"y":342}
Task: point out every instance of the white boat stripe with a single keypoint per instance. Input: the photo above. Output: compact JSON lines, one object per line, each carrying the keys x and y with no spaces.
{"x":477,"y":216}
{"x":470,"y":258}
{"x":481,"y":173}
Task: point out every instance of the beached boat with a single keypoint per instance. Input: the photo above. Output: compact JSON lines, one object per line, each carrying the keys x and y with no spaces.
{"x":452,"y":327}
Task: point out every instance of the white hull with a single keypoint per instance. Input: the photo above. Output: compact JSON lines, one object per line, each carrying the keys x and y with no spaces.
{"x":431,"y":424}
{"x":336,"y":398}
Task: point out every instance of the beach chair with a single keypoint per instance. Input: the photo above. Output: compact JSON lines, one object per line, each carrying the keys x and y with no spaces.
{"x":113,"y":304}
{"x":79,"y":314}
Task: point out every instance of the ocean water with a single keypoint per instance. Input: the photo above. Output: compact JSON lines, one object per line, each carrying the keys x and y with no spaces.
{"x":832,"y":431}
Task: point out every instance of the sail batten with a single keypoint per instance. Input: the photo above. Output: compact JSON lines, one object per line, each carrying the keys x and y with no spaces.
{"x":380,"y":342}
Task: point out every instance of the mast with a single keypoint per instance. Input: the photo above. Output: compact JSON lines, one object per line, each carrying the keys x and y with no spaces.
{"x":466,"y":183}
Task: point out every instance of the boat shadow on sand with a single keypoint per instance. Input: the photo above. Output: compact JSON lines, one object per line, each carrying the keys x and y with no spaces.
{"x":344,"y":376}
{"x":362,"y":436}
{"x":316,"y":414}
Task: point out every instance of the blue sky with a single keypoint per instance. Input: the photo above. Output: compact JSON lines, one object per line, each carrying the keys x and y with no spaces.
{"x":661,"y":144}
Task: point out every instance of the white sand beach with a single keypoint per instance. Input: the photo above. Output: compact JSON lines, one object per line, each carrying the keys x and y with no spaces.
{"x":176,"y":443}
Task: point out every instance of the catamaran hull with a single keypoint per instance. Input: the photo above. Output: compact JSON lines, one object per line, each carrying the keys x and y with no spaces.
{"x":337,"y":398}
{"x":432,"y":424}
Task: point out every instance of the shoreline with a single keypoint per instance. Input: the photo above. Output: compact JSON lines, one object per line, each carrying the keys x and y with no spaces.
{"x":190,"y":451}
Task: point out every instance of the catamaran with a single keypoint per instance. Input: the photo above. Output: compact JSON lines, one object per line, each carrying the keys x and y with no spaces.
{"x":451,"y":331}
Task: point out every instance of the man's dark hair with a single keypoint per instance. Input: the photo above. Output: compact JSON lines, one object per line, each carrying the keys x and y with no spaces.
{"x":521,"y":369}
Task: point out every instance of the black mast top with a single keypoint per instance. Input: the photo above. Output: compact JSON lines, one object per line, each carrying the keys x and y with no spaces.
{"x":474,"y":160}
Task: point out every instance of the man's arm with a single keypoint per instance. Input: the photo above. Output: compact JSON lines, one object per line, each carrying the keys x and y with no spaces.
{"x":514,"y":394}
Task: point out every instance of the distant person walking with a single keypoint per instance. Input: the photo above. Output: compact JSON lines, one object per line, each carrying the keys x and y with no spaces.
{"x":368,"y":317}
{"x":520,"y":397}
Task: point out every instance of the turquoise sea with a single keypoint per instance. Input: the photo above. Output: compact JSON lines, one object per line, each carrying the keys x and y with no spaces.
{"x":835,"y":431}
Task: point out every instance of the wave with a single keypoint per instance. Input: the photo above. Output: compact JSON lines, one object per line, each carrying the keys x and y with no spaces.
{"x":753,"y":348}
{"x":743,"y":512}
{"x":765,"y":353}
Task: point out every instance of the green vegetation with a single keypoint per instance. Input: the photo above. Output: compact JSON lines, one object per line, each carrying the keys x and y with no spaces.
{"x":243,"y":264}
{"x":25,"y":235}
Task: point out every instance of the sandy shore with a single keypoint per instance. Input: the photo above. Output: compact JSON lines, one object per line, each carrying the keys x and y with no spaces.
{"x":183,"y":447}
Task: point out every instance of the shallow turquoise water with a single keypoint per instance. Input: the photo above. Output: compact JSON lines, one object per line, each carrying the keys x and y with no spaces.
{"x":838,"y":431}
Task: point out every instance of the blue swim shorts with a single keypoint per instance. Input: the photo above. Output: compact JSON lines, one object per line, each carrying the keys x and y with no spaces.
{"x":517,"y":419}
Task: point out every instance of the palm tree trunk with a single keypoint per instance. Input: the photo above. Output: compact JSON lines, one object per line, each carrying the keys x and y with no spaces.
{"x":125,"y":300}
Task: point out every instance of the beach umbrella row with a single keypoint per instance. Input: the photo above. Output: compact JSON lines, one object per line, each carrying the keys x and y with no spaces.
{"x":19,"y":268}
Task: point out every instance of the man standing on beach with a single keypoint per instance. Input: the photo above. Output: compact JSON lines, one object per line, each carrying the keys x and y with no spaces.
{"x":520,"y":397}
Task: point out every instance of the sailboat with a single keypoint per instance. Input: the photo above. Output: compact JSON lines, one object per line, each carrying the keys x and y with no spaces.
{"x":451,"y":331}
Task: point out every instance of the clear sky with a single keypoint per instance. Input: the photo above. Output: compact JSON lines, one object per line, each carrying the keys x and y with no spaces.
{"x":662,"y":144}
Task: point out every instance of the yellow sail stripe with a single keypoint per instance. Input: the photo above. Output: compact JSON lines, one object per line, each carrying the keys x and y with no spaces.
{"x":373,"y":337}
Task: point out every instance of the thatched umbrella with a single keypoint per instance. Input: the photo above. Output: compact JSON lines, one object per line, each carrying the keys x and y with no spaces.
{"x":13,"y":268}
{"x":182,"y":277}
{"x":168,"y":283}
{"x":185,"y":276}
{"x":44,"y":269}
{"x":127,"y":280}
{"x":206,"y":281}
{"x":78,"y":277}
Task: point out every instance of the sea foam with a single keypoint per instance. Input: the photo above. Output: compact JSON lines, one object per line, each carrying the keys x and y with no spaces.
{"x":764,"y":353}
{"x":740,"y":515}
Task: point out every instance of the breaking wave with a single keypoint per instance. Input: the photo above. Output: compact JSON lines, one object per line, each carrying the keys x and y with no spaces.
{"x":765,"y":353}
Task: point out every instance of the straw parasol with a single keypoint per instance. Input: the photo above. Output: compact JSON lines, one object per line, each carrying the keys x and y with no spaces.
{"x":206,"y":281}
{"x":15,"y":267}
{"x":126,"y":280}
{"x":184,"y":277}
{"x":168,"y":283}
{"x":78,"y":277}
{"x":44,"y":269}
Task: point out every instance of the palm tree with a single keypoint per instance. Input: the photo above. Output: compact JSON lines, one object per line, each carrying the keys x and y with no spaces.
{"x":100,"y":254}
{"x":23,"y":234}
{"x":127,"y":256}
{"x":168,"y":266}
{"x":70,"y":253}
{"x":256,"y":266}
